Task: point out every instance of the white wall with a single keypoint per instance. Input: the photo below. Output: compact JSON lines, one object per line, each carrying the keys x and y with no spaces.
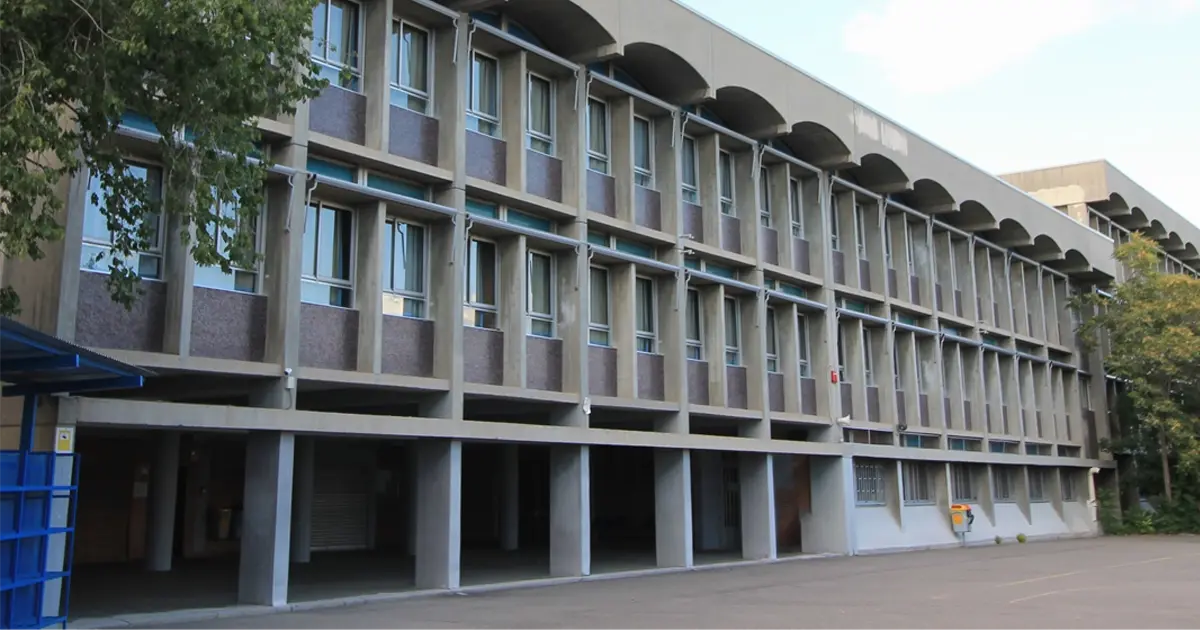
{"x":876,"y":528}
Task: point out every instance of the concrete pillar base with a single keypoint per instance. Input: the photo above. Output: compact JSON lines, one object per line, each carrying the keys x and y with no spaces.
{"x":266,"y":519}
{"x":439,"y":513}
{"x":163,"y":483}
{"x":673,"y":507}
{"x":570,"y":511}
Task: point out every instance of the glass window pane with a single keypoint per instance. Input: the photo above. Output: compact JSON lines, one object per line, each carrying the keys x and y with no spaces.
{"x":539,"y":105}
{"x":319,"y":26}
{"x":689,"y":161}
{"x":598,"y":127}
{"x":483,"y":272}
{"x":310,"y":241}
{"x":599,"y":304}
{"x":343,"y":29}
{"x":415,"y":71}
{"x":388,"y":268}
{"x":645,"y":305}
{"x":731,"y":323}
{"x":641,"y":143}
{"x":485,"y":97}
{"x":343,"y":245}
{"x":764,"y":189}
{"x":693,"y":315}
{"x":726,"y":176}
{"x":326,"y":242}
{"x":771,"y":341}
{"x":802,"y":336}
{"x":414,"y":254}
{"x":539,"y":283}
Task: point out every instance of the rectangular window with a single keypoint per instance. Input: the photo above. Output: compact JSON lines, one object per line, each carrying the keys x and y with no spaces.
{"x":647,"y":315}
{"x":1002,"y":483}
{"x":764,"y":196}
{"x":695,"y":326}
{"x":404,"y":269}
{"x":834,"y":224}
{"x":802,"y":339}
{"x":597,"y":143}
{"x":1037,"y":484}
{"x":733,"y":332}
{"x":1068,"y":485}
{"x":868,"y":357}
{"x":870,"y":483}
{"x":483,"y":271}
{"x":643,"y":152}
{"x":772,"y":342}
{"x":1085,"y":394}
{"x":962,"y":485}
{"x":918,"y":483}
{"x":725,"y":177}
{"x":411,"y":70}
{"x":860,"y":231}
{"x":796,"y":203}
{"x":335,"y":42}
{"x":239,"y":279}
{"x":896,"y":365}
{"x":841,"y":354}
{"x":690,"y":165}
{"x":540,"y":278}
{"x":483,"y":99}
{"x":910,"y":251}
{"x":599,"y":327}
{"x":541,"y":114}
{"x":98,"y":240}
{"x":326,"y":277}
{"x":887,"y":245}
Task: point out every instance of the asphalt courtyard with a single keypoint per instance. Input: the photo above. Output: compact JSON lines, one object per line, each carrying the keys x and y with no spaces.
{"x":1151,"y":582}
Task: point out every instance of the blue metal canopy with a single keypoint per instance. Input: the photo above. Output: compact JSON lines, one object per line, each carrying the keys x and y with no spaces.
{"x":32,"y":362}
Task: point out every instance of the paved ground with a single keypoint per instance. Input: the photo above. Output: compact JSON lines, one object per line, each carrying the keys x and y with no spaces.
{"x":1108,"y":582}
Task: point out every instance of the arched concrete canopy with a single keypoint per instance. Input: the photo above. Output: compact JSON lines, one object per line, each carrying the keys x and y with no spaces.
{"x":1115,"y":204}
{"x":1189,"y":253}
{"x":1072,"y":262}
{"x":663,"y":73}
{"x":747,"y":112}
{"x":929,"y":197}
{"x":972,"y":216}
{"x":546,"y":20}
{"x":817,"y":144}
{"x":1010,"y":233}
{"x":1135,"y":220}
{"x":1172,"y":242}
{"x":878,"y":174}
{"x":1156,"y":230}
{"x":1044,"y":249}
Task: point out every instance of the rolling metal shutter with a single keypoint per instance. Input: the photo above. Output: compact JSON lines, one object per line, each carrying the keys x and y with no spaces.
{"x":341,"y":500}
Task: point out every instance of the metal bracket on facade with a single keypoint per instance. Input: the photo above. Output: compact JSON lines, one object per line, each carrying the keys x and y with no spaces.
{"x":310,"y":184}
{"x":454,"y":55}
{"x":676,"y":127}
{"x":470,"y":36}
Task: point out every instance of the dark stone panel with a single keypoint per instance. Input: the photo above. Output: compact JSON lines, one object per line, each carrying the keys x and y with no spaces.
{"x":923,"y":407}
{"x":407,"y":346}
{"x":864,"y":275}
{"x":102,"y":323}
{"x":901,"y":410}
{"x":543,"y":175}
{"x":808,"y":396}
{"x":693,"y":221}
{"x":800,"y":256}
{"x":328,"y":337}
{"x":602,"y":371}
{"x":873,"y":404}
{"x":339,"y":113}
{"x":651,"y":377}
{"x":229,"y":324}
{"x":937,"y":297}
{"x":731,"y":234}
{"x":601,"y":194}
{"x":946,"y":410}
{"x":968,"y":421}
{"x":847,"y":393}
{"x":735,"y":386}
{"x":413,"y":135}
{"x":544,"y":358}
{"x":893,"y":290}
{"x":486,"y":158}
{"x":483,"y":355}
{"x":914,"y":289}
{"x":839,"y":267}
{"x":769,"y":243}
{"x":775,"y":385}
{"x":647,"y":208}
{"x":697,"y":375}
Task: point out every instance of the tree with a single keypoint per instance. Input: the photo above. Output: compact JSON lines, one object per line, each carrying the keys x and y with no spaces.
{"x":1151,"y":324}
{"x":202,"y":71}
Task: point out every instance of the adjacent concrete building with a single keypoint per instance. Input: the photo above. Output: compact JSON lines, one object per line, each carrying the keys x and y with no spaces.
{"x":557,"y":287}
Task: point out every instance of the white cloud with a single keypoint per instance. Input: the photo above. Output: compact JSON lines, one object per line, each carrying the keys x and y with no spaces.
{"x":932,"y":46}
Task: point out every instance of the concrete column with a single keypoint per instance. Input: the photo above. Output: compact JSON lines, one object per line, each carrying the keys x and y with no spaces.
{"x":712,"y":302}
{"x":781,"y":213}
{"x":163,"y":487}
{"x":829,"y":526}
{"x":368,"y":290}
{"x":745,"y":192}
{"x":514,"y":263}
{"x":439,"y":513}
{"x":510,"y":498}
{"x":873,"y":222}
{"x":787,"y":326}
{"x":756,"y":479}
{"x":623,"y":304}
{"x":570,"y":511}
{"x":707,"y":148}
{"x":673,"y":507}
{"x":179,"y":270}
{"x":621,"y":117}
{"x":302,"y":498}
{"x":672,"y":304}
{"x":266,"y":519}
{"x":514,"y":114}
{"x":286,"y":208}
{"x":754,"y":348}
{"x":378,"y":68}
{"x":574,"y":305}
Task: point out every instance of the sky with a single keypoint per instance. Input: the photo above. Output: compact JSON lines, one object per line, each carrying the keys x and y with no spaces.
{"x":1009,"y":85}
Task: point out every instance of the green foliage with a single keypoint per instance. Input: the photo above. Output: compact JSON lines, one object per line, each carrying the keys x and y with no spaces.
{"x":999,"y":540}
{"x":1181,"y":516}
{"x":69,"y":70}
{"x":1021,"y":538}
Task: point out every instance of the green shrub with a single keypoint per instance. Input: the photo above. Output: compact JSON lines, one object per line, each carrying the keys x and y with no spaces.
{"x":999,"y":540}
{"x":1021,"y":538}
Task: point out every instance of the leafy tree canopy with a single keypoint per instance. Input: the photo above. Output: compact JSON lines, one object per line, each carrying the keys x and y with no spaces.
{"x":201,"y":70}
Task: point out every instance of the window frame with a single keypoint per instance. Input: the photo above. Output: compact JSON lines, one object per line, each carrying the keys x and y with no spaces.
{"x":860,"y":230}
{"x":256,"y":272}
{"x":420,"y":298}
{"x":917,"y":482}
{"x":871,"y":471}
{"x":649,"y":337}
{"x":728,"y":203}
{"x":396,"y":81}
{"x":646,"y":174}
{"x":1039,"y":474}
{"x":473,"y":111}
{"x":804,"y":348}
{"x":350,"y":286}
{"x":910,"y":249}
{"x":841,"y":355}
{"x":481,"y":307}
{"x":689,"y":192}
{"x":868,"y":358}
{"x":157,"y":251}
{"x":764,"y":194}
{"x":594,"y":156}
{"x":356,"y":71}
{"x":772,"y":349}
{"x":796,"y":206}
{"x":1067,"y":486}
{"x":532,"y":135}
{"x":733,"y":351}
{"x":696,"y":344}
{"x":835,"y":228}
{"x":532,"y":317}
{"x":1003,"y":477}
{"x":961,"y":473}
{"x":593,"y":327}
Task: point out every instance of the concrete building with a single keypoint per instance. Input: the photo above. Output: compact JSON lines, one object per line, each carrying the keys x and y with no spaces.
{"x":558,"y":287}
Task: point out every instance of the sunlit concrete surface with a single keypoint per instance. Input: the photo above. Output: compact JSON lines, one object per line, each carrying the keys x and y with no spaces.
{"x":1107,"y":582}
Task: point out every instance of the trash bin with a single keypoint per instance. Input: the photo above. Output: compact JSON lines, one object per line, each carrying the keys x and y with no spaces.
{"x":961,"y":518}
